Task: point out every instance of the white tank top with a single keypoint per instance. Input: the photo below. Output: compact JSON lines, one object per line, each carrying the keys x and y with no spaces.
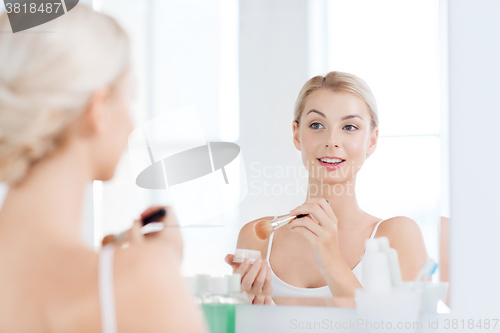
{"x":281,"y":288}
{"x":106,"y":289}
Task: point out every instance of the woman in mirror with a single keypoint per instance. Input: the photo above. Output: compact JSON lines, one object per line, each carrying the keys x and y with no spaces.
{"x":65,"y":97}
{"x":335,"y":127}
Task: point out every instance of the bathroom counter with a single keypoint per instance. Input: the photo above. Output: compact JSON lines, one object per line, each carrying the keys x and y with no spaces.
{"x":283,"y":318}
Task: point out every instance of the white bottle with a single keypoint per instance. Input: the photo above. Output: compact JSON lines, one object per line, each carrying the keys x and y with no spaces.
{"x":202,"y":288}
{"x":378,"y":300}
{"x":218,"y":290}
{"x":392,"y":257}
{"x":375,"y":274}
{"x":190,"y":282}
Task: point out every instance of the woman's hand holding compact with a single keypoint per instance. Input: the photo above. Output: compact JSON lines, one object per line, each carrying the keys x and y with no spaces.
{"x":319,"y":228}
{"x":255,"y":279}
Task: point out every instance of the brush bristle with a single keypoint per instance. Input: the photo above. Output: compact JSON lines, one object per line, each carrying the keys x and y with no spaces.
{"x":263,"y":229}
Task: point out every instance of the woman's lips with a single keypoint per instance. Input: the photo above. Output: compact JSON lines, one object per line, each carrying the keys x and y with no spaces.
{"x":331,"y":166}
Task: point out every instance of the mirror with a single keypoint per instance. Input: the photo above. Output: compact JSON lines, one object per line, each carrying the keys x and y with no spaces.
{"x":242,"y":65}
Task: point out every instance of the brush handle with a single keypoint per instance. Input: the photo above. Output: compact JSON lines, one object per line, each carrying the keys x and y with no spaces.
{"x":285,"y":219}
{"x":160,"y":213}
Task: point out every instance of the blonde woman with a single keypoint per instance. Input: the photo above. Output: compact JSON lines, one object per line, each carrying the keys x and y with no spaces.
{"x":64,"y":121}
{"x":335,"y":127}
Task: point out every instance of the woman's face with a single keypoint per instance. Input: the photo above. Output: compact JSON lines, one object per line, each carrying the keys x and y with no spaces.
{"x":334,"y":125}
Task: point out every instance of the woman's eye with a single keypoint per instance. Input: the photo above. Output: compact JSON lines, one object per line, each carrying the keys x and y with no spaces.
{"x":313,"y":125}
{"x":351,"y":126}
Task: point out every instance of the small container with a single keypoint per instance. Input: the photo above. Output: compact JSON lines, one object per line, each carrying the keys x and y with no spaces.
{"x":432,"y":293}
{"x":190,"y":282}
{"x":202,"y":287}
{"x":219,"y":312}
{"x":400,"y":304}
{"x":241,"y":254}
{"x":218,"y":289}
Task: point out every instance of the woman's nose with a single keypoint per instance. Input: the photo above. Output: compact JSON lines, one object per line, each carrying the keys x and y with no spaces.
{"x":332,"y":139}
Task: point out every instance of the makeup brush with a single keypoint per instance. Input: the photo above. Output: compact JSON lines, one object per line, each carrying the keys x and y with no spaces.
{"x":263,"y":229}
{"x":155,"y":217}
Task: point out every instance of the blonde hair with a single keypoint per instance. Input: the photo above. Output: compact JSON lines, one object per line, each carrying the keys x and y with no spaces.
{"x":338,"y":82}
{"x":47,"y":79}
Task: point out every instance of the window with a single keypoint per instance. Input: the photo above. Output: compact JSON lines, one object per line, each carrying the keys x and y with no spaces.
{"x":185,"y":53}
{"x":396,"y":47}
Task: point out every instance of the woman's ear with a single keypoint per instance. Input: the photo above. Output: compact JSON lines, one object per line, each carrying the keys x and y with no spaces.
{"x":96,"y":116}
{"x":373,"y":142}
{"x":296,"y":137}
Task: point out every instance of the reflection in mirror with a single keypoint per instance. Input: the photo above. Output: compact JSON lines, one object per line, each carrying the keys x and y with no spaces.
{"x":401,"y":60}
{"x":245,"y":63}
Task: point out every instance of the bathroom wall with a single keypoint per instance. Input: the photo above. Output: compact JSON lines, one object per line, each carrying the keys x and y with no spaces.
{"x":474,"y":85}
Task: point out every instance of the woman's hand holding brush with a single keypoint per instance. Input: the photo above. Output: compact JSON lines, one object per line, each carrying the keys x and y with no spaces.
{"x":169,"y":237}
{"x":255,"y":279}
{"x":320,"y":229}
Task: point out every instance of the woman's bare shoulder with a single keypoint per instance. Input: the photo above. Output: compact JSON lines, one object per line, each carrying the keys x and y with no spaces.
{"x":398,"y":227}
{"x":406,"y":237}
{"x":247,"y":238}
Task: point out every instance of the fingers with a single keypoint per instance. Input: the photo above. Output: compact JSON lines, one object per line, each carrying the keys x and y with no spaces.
{"x":308,"y":223}
{"x":259,"y":299}
{"x":268,"y":287}
{"x":256,"y":280}
{"x":168,"y":237}
{"x":260,"y":279}
{"x":229,"y":260}
{"x":171,"y":237}
{"x":319,"y":209}
{"x":242,"y":269}
{"x":251,"y":297}
{"x":248,"y":280}
{"x":263,"y":299}
{"x":134,"y":234}
{"x":306,"y":233}
{"x":327,"y":209}
{"x":268,"y":300}
{"x":313,"y":209}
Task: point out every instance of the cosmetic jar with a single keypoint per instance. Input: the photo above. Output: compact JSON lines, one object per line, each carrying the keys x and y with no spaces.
{"x":241,"y":254}
{"x":395,"y":305}
{"x":432,"y":293}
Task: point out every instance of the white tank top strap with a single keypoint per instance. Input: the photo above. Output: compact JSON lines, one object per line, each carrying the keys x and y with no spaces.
{"x":270,"y":242}
{"x":375,"y":229}
{"x":269,"y":247}
{"x":106,"y":289}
